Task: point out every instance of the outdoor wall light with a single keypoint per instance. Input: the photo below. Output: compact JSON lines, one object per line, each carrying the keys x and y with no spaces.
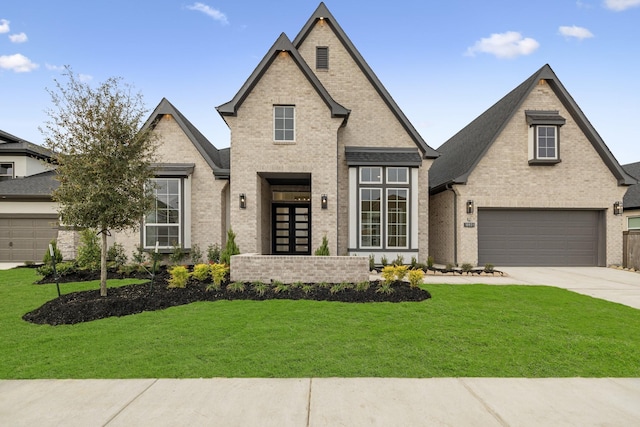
{"x":617,"y":208}
{"x":243,"y":201}
{"x":324,"y":201}
{"x":469,"y":206}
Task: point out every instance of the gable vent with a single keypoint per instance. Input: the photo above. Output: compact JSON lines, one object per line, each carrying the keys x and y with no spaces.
{"x":322,"y":58}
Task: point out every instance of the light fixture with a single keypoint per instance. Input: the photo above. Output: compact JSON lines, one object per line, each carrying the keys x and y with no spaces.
{"x":469,"y":206}
{"x":617,"y":208}
{"x":324,"y":201}
{"x":243,"y":201}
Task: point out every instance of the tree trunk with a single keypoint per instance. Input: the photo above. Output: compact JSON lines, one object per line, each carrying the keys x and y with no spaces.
{"x":103,"y":265}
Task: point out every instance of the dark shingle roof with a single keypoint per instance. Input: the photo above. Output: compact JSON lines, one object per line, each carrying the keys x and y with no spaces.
{"x":462,"y":152}
{"x":35,"y":186}
{"x":632,"y":196}
{"x":322,"y":12}
{"x":10,"y":144}
{"x":200,"y":142}
{"x":360,"y":156}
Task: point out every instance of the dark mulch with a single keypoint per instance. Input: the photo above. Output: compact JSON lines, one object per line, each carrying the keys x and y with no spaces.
{"x":84,"y":306}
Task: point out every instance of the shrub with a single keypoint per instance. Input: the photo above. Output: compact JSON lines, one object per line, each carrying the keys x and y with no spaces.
{"x":218,"y":273}
{"x":236,"y":287}
{"x":384,"y":261}
{"x":279,"y":287}
{"x":363,"y":286}
{"x":201,"y":272}
{"x":260,"y":288}
{"x":415,"y":278}
{"x":89,"y":250}
{"x":414,"y":262}
{"x":340,"y":287}
{"x":46,"y":259}
{"x":388,"y":274}
{"x":372,"y":262}
{"x":116,"y":255}
{"x":177,"y":256}
{"x":488,"y":268}
{"x":179,"y":277}
{"x":385,"y":288}
{"x":138,"y":255}
{"x":323,"y":250}
{"x":401,"y":271}
{"x":449,"y":267}
{"x":66,"y":268}
{"x":213,"y":253}
{"x":466,"y":267}
{"x":429,"y":261}
{"x":230,"y":249}
{"x":196,"y":254}
{"x":128,"y":269}
{"x":306,"y":288}
{"x":399,"y":260}
{"x":45,"y":270}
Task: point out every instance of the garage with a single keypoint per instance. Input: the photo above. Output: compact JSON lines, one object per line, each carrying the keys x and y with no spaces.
{"x":26,"y":238}
{"x":545,"y":237}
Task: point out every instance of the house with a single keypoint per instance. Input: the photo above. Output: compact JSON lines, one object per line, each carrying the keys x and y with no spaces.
{"x":631,"y":224}
{"x":28,"y":218}
{"x":528,"y":182}
{"x":318,"y":148}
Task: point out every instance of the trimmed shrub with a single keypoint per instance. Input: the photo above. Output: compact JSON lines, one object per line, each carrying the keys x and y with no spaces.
{"x":415,"y":278}
{"x":201,"y":272}
{"x":116,"y":255}
{"x":230,"y":249}
{"x":218,"y":274}
{"x":46,"y":259}
{"x":323,"y":250}
{"x":89,"y":250}
{"x":179,"y":277}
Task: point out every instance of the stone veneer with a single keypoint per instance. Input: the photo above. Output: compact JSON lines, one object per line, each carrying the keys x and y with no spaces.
{"x":291,"y":269}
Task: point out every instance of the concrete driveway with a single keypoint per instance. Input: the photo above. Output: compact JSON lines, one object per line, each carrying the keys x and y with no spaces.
{"x":605,"y":283}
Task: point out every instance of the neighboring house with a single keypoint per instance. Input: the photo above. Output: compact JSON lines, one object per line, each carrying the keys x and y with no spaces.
{"x":28,"y":218}
{"x":631,"y":201}
{"x":528,"y":182}
{"x":319,"y":148}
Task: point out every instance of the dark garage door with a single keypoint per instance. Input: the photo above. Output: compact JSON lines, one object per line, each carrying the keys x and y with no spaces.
{"x":539,"y":237}
{"x":26,"y":238}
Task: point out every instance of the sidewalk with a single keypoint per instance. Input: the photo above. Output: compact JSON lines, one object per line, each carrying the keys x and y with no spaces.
{"x":321,"y":402}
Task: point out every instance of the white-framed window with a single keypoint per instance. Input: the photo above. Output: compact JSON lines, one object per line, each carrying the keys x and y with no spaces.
{"x":371,"y":217}
{"x":164,"y":223}
{"x":397,"y":175}
{"x":371,"y":175}
{"x":397,"y":217}
{"x":546,"y":142}
{"x":6,"y":170}
{"x":284,"y":127}
{"x":633,"y":223}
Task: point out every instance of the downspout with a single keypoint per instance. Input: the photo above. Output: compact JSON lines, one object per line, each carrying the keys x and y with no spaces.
{"x":455,"y":223}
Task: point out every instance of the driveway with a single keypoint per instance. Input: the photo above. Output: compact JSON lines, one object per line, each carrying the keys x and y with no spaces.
{"x":599,"y":282}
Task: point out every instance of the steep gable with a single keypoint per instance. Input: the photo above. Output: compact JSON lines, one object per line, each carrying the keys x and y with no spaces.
{"x":323,"y":14}
{"x":462,"y":152}
{"x":632,"y":196}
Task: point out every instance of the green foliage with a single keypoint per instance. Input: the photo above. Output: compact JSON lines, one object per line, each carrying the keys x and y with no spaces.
{"x":201,"y":272}
{"x":401,"y":271}
{"x":385,"y":288}
{"x":399,"y":260}
{"x":196,"y":254}
{"x":323,"y":250}
{"x":89,"y":252}
{"x":138,"y":255}
{"x":488,"y":268}
{"x":116,"y":255}
{"x":46,"y":259}
{"x":430,"y":261}
{"x":340,"y":287}
{"x":45,"y":270}
{"x":236,"y":287}
{"x":372,"y":262}
{"x":219,"y":273}
{"x":388,"y":274}
{"x":466,"y":267}
{"x":177,"y":255}
{"x":179,"y":276}
{"x":213,"y":253}
{"x":384,"y":261}
{"x":66,"y":267}
{"x":230,"y":249}
{"x":415,"y":278}
{"x":127,"y":269}
{"x":279,"y":287}
{"x":306,"y":288}
{"x":260,"y":288}
{"x":414,"y":262}
{"x":449,"y":267}
{"x":363,"y":286}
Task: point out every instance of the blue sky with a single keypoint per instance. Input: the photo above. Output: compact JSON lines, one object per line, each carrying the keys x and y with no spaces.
{"x":444,"y":62}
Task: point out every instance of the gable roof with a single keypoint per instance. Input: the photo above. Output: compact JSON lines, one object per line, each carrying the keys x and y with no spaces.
{"x":632,"y":196}
{"x":39,"y":186}
{"x":283,"y":44}
{"x":462,"y":152}
{"x":210,"y":153}
{"x":322,"y":12}
{"x":10,"y":144}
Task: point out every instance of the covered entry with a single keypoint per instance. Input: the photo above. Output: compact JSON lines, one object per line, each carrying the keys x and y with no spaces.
{"x":544,"y":237}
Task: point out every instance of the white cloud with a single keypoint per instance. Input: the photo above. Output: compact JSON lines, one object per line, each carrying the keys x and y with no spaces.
{"x":18,"y":63}
{"x":207,"y":10}
{"x":4,"y":26}
{"x":85,"y":77}
{"x":18,"y":38}
{"x":54,"y":67}
{"x":620,"y":5}
{"x":505,"y":45}
{"x":575,"y":31}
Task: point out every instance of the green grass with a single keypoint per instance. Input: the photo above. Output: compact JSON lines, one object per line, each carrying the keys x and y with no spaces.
{"x":463,"y":331}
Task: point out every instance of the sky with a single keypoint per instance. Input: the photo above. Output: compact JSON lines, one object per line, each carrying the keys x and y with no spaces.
{"x":444,"y":62}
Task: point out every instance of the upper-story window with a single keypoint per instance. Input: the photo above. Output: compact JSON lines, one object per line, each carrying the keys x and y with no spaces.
{"x":322,"y":58}
{"x":284,"y":126}
{"x":6,"y":170}
{"x":544,"y":136}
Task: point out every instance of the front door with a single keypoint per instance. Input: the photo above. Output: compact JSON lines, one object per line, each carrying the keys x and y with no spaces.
{"x":291,"y":229}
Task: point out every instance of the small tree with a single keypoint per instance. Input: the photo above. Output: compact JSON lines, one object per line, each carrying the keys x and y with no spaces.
{"x":323,"y":250}
{"x":230,"y":249}
{"x":103,"y":157}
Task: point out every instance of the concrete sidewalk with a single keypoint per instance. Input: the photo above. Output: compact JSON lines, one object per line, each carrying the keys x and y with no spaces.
{"x":321,"y":402}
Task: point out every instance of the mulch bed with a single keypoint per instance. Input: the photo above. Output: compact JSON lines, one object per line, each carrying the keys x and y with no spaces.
{"x":85,"y":306}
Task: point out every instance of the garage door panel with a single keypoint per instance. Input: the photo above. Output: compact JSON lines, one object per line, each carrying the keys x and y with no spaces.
{"x":26,"y":239}
{"x":538,"y":237}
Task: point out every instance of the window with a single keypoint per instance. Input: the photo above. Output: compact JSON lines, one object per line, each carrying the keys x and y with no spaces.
{"x":322,"y":58}
{"x":284,"y":123}
{"x":546,"y":142}
{"x":633,"y":223}
{"x":163,"y":223}
{"x":6,"y":170}
{"x":384,"y":196}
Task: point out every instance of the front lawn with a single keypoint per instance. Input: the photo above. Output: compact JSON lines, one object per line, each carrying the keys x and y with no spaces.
{"x":463,"y":331}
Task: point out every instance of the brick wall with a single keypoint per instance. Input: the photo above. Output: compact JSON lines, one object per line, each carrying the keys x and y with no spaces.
{"x":306,"y":269}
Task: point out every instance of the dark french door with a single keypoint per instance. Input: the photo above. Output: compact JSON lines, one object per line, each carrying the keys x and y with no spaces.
{"x":291,"y":229}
